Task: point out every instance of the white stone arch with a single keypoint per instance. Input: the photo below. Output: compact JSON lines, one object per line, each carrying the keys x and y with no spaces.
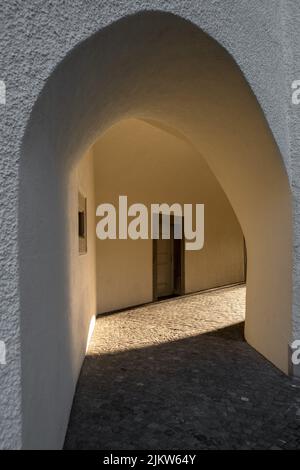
{"x":159,"y":67}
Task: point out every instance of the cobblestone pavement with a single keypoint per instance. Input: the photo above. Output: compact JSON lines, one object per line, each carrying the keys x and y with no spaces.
{"x":178,"y":375}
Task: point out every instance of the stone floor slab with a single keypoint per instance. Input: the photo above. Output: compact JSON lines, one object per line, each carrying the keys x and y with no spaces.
{"x":178,"y":374}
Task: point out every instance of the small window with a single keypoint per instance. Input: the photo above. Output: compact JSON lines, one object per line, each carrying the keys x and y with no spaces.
{"x":82,"y":224}
{"x":81,"y":227}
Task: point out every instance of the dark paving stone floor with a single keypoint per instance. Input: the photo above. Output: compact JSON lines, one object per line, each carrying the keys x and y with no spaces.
{"x":207,"y":390}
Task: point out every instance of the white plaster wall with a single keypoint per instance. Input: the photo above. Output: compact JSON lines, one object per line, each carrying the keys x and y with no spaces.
{"x":150,"y":165}
{"x":60,"y":285}
{"x":291,"y":47}
{"x":171,"y":74}
{"x":82,"y":269}
{"x":35,"y":36}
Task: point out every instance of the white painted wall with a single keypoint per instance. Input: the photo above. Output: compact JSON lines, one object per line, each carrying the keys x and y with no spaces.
{"x":152,"y":66}
{"x":64,"y":295}
{"x":150,"y":165}
{"x":82,"y":266}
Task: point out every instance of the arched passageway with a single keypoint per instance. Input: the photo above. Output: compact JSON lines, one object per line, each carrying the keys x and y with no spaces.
{"x":155,"y":67}
{"x":153,"y":165}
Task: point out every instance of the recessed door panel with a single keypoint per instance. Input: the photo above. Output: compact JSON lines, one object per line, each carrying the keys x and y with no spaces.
{"x":164,"y":267}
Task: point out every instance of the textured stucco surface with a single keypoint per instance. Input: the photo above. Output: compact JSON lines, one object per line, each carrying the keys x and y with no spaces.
{"x":36,"y":35}
{"x":292,"y":49}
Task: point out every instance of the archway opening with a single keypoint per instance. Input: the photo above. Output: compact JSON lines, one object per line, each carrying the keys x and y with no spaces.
{"x":151,"y":165}
{"x":162,"y":69}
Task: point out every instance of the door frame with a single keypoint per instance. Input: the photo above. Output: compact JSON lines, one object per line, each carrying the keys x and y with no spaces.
{"x":182,"y":262}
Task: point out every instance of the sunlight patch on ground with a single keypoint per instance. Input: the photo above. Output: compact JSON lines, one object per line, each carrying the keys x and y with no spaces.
{"x":168,"y":321}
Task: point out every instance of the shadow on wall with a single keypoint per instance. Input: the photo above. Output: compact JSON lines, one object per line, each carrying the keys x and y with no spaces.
{"x":193,"y":393}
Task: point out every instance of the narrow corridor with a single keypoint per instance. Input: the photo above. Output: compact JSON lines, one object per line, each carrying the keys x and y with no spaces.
{"x":178,"y":375}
